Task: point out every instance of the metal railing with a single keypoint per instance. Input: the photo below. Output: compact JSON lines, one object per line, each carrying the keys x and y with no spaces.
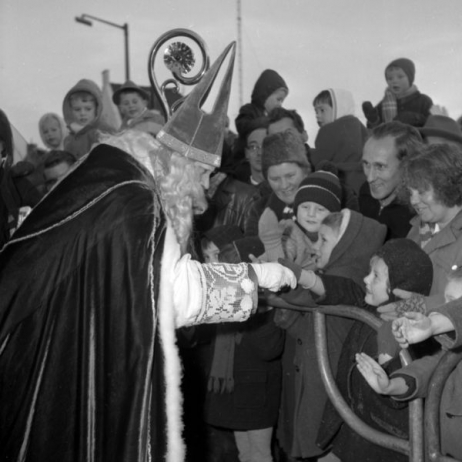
{"x":414,"y":446}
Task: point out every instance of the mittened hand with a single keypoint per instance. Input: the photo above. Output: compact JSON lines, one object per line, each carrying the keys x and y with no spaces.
{"x":273,"y":276}
{"x":296,"y":269}
{"x":370,"y":112}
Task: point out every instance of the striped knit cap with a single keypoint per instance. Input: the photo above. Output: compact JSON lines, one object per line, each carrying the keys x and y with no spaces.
{"x":320,"y":187}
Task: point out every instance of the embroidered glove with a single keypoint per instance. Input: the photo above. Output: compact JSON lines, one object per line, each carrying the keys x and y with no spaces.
{"x":370,"y":112}
{"x":274,"y":276}
{"x":270,"y":232}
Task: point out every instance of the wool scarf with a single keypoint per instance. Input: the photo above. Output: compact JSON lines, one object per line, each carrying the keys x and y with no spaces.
{"x":390,"y":103}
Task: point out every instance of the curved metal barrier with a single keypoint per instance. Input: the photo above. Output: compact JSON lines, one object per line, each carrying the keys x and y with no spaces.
{"x":414,"y":447}
{"x":432,"y":407}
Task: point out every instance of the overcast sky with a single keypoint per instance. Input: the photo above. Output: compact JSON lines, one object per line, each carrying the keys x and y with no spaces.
{"x":313,"y":44}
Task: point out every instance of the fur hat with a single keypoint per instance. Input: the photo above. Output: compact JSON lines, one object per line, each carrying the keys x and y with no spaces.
{"x":442,"y":127}
{"x":283,"y":147}
{"x":321,"y":187}
{"x":406,"y":65}
{"x":128,"y":86}
{"x":409,"y":267}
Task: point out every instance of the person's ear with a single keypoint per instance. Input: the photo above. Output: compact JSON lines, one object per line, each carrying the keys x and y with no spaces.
{"x":305,"y":136}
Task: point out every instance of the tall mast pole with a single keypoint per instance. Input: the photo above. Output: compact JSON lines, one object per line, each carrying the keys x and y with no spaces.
{"x":239,"y":52}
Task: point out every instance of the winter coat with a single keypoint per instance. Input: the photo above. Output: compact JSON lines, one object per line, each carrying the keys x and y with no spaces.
{"x":254,"y":402}
{"x":81,"y":142}
{"x":445,"y":252}
{"x":149,"y":121}
{"x":412,"y":110}
{"x":350,"y":260}
{"x":342,"y":140}
{"x":395,"y":216}
{"x":268,"y":82}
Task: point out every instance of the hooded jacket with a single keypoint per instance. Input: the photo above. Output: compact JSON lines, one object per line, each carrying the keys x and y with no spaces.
{"x":349,"y":259}
{"x":342,"y":140}
{"x":62,"y":126}
{"x":268,"y":82}
{"x":79,"y":143}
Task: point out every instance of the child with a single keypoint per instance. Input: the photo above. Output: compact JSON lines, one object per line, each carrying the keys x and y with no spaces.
{"x":82,"y":110}
{"x":53,"y":130}
{"x":269,"y":92}
{"x":317,"y":196}
{"x":244,"y":385}
{"x":132,"y":102}
{"x":402,"y":100}
{"x":412,"y":381}
{"x":341,"y":137}
{"x":398,"y":262}
{"x":346,"y":242}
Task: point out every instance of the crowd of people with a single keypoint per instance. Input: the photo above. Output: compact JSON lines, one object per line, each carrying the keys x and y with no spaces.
{"x":368,"y":216}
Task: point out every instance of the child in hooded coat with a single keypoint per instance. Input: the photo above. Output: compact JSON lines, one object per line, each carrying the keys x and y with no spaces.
{"x":83,"y":137}
{"x":341,"y":136}
{"x":53,"y":131}
{"x":351,"y":245}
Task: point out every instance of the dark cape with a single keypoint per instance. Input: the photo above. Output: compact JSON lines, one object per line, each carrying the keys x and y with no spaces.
{"x":80,"y":368}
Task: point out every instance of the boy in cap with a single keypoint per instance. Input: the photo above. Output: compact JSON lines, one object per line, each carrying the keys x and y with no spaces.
{"x":402,"y":100}
{"x":132,"y":102}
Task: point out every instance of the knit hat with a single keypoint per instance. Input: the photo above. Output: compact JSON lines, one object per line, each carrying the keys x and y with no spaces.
{"x":320,"y":187}
{"x":406,"y":65}
{"x":442,"y":127}
{"x":222,"y":235}
{"x":409,"y":267}
{"x":283,"y":147}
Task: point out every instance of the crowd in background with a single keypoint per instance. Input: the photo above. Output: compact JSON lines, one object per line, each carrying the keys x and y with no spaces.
{"x":369,"y":216}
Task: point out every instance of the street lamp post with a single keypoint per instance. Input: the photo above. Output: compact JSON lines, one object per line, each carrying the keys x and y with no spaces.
{"x":85,"y":19}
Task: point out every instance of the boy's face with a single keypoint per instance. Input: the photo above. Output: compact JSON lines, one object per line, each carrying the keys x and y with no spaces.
{"x":253,"y":148}
{"x":132,"y":104}
{"x":210,"y":253}
{"x":327,"y":240}
{"x":453,"y":290}
{"x":83,"y":110}
{"x":310,"y":216}
{"x":377,"y":283}
{"x":52,"y":133}
{"x":397,"y":80}
{"x":275,"y":99}
{"x":324,"y":114}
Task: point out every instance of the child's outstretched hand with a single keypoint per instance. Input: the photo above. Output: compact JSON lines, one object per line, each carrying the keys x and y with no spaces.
{"x":374,"y":374}
{"x":411,"y":328}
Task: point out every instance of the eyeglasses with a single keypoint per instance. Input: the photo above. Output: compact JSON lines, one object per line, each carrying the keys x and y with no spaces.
{"x":253,"y":148}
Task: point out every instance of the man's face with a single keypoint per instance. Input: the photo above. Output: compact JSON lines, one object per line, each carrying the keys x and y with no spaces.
{"x":382,"y":168}
{"x":284,"y":124}
{"x":253,"y":148}
{"x":55,"y":174}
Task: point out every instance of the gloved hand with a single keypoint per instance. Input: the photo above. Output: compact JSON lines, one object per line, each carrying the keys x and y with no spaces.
{"x":370,"y":112}
{"x":270,"y":232}
{"x":306,"y":278}
{"x":273,"y":276}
